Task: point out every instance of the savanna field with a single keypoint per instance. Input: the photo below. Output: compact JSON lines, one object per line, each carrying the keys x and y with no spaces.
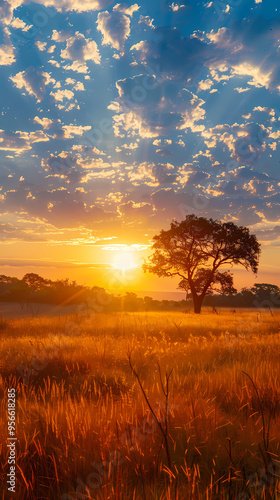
{"x":96,"y":418}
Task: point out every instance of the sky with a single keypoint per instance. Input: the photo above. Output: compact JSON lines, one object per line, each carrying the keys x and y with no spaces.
{"x":119,"y":117}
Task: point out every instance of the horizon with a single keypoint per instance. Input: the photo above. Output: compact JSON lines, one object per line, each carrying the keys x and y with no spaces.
{"x":125,"y":285}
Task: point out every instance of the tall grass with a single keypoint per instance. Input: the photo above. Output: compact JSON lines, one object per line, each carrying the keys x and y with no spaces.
{"x":85,"y":431}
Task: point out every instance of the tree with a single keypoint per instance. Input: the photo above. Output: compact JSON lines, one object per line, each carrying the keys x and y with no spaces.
{"x":265,"y":290}
{"x":35,"y":281}
{"x":196,"y":249}
{"x":266,"y":295}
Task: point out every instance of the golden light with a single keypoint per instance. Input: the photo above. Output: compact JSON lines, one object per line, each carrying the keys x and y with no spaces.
{"x":124,"y":261}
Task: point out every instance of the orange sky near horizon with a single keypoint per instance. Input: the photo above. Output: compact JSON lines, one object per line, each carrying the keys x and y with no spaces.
{"x":99,"y":265}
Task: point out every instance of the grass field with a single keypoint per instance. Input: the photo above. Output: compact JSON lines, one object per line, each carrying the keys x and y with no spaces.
{"x":86,"y":431}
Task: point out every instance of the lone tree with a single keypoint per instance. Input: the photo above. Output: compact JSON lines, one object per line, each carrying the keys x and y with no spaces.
{"x":195,"y":250}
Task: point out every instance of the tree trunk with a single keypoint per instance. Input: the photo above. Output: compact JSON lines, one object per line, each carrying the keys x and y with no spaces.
{"x":197,"y":303}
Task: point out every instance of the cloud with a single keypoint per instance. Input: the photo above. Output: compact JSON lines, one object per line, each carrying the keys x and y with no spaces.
{"x":160,"y":105}
{"x":33,"y":81}
{"x":57,"y":207}
{"x":6,"y":12}
{"x":243,"y":45}
{"x":233,"y":52}
{"x":70,"y":131}
{"x":7,"y":7}
{"x":146,"y":20}
{"x":136,"y":211}
{"x":124,"y":9}
{"x":131,"y":146}
{"x":41,"y":45}
{"x":80,"y":49}
{"x":115,"y":26}
{"x":64,"y":166}
{"x":205,"y":85}
{"x":154,"y":112}
{"x":163,"y":152}
{"x":240,"y":89}
{"x":162,"y":173}
{"x":60,"y":95}
{"x":79,"y":166}
{"x":162,"y":142}
{"x":245,"y":142}
{"x":270,"y":234}
{"x":77,"y":66}
{"x":152,"y":174}
{"x":20,"y":142}
{"x":259,"y":78}
{"x":170,"y":53}
{"x":46,"y":123}
{"x":61,"y":36}
{"x":79,"y":86}
{"x":7,"y":56}
{"x":175,"y":7}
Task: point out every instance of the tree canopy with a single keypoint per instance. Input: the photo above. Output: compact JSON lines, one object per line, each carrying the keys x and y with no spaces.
{"x":197,"y":249}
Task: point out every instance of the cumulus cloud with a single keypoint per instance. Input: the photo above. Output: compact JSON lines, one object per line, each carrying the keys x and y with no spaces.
{"x":77,"y":66}
{"x":7,"y":56}
{"x":175,"y":7}
{"x":259,"y":78}
{"x":41,"y":45}
{"x":46,"y":123}
{"x":60,"y":95}
{"x":19,"y":142}
{"x":227,"y":53}
{"x":237,"y":198}
{"x":7,"y":7}
{"x":57,"y":207}
{"x":183,"y":58}
{"x":125,"y":9}
{"x":147,"y":21}
{"x":78,"y":48}
{"x":33,"y":81}
{"x":64,"y":166}
{"x":6,"y":11}
{"x":152,"y":174}
{"x":162,"y":142}
{"x":136,"y":211}
{"x":72,"y":130}
{"x":61,"y":36}
{"x":115,"y":26}
{"x":245,"y":142}
{"x":153,"y":112}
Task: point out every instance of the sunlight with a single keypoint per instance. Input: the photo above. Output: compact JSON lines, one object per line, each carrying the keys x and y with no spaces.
{"x":124,"y":261}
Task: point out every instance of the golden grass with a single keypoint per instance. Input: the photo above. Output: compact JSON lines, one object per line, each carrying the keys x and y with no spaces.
{"x":84,"y":429}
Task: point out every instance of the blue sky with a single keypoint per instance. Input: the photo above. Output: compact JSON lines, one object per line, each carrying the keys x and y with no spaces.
{"x":118,"y":117}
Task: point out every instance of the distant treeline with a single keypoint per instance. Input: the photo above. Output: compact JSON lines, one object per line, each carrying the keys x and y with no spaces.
{"x":32,"y":288}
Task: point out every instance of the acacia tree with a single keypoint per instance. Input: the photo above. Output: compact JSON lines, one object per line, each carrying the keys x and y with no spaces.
{"x":196,"y":249}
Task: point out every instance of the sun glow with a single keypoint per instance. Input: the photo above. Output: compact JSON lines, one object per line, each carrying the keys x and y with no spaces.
{"x":124,"y":261}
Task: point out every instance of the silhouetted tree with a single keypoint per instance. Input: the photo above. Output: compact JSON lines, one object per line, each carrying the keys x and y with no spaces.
{"x":196,"y":248}
{"x":35,"y":281}
{"x":266,"y":295}
{"x":265,"y":290}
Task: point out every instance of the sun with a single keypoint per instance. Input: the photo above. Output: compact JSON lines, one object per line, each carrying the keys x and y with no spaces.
{"x":124,"y":261}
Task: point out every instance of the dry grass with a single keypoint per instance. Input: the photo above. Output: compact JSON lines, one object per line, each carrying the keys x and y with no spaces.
{"x":84,"y":429}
